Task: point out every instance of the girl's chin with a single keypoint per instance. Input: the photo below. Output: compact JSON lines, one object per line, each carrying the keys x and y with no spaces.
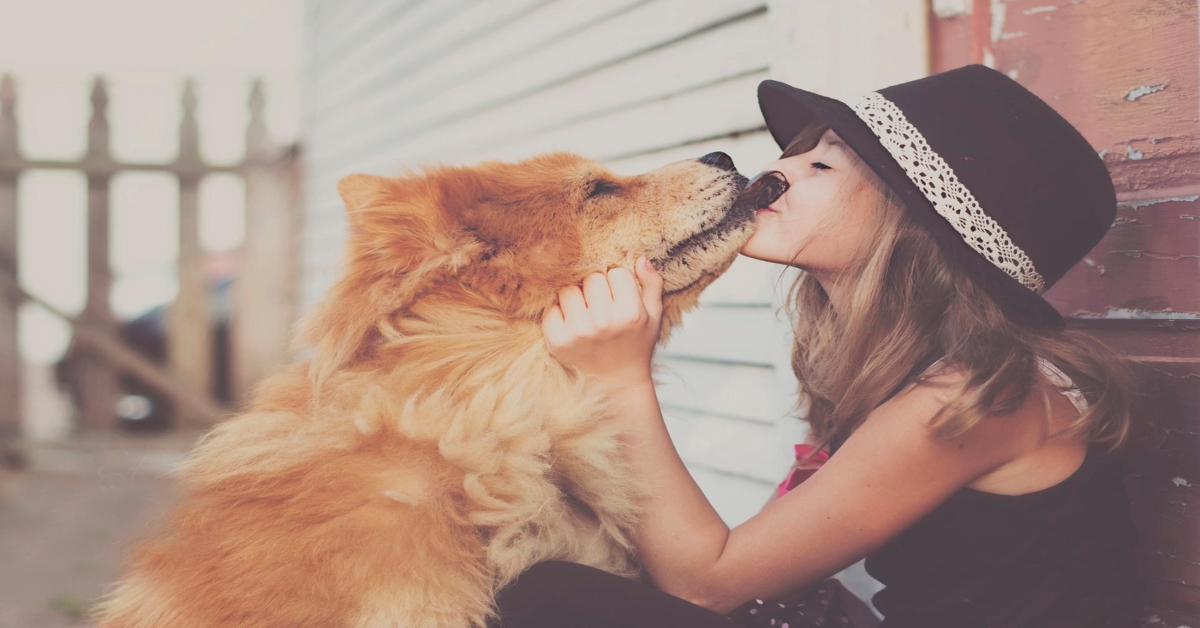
{"x":753,"y":252}
{"x":756,"y":246}
{"x":759,"y":251}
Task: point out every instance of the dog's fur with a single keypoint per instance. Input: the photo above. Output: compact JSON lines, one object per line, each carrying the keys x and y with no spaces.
{"x":432,"y":448}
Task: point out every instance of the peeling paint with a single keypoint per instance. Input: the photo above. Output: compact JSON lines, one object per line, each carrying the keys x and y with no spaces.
{"x":1143,"y":90}
{"x":1181,"y":482}
{"x":1042,"y":9}
{"x":1125,"y":221}
{"x":1099,"y":267}
{"x":1102,"y":152}
{"x":1187,"y":216}
{"x":1136,"y":314}
{"x":1013,"y":74}
{"x":946,"y":9}
{"x":1176,"y":199}
{"x":1090,"y":262}
{"x":1133,"y":153}
{"x":1155,"y":140}
{"x":999,"y":13}
{"x":1135,"y":253}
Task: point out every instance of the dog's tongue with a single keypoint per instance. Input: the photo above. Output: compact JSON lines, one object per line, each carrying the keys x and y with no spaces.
{"x":763,"y":189}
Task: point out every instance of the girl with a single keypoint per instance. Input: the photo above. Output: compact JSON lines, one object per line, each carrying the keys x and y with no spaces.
{"x":971,"y":439}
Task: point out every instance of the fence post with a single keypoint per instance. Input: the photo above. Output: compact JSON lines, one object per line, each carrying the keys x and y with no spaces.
{"x":98,"y":380}
{"x":190,"y":334}
{"x":264,"y":299}
{"x":10,"y":359}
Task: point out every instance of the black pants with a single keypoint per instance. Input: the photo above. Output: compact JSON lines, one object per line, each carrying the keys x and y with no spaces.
{"x":559,"y":594}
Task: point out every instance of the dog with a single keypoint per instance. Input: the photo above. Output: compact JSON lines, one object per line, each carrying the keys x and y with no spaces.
{"x":431,"y":449}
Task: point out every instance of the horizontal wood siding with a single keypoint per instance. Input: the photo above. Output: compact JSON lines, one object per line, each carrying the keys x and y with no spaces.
{"x":636,"y":83}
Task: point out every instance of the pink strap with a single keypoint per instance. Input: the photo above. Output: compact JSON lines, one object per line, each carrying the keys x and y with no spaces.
{"x":797,"y":475}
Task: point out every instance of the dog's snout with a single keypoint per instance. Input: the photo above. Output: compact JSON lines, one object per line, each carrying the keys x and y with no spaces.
{"x":720,"y":160}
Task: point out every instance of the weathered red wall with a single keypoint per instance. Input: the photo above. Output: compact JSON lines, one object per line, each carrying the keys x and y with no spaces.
{"x":1127,"y":74}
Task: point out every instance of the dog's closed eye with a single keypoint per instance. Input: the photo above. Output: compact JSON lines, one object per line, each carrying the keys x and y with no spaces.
{"x":602,"y":188}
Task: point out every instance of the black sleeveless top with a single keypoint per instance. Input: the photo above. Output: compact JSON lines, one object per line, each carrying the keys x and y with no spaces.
{"x":1059,"y":557}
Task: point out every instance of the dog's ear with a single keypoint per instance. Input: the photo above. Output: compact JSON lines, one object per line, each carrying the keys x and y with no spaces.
{"x":366,"y":194}
{"x":397,"y":248}
{"x":355,"y":189}
{"x":491,"y":225}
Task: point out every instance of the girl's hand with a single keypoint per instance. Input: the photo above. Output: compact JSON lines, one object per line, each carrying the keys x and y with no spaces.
{"x":608,"y":329}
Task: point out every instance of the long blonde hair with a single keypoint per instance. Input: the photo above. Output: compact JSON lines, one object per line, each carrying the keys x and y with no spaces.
{"x":907,"y":303}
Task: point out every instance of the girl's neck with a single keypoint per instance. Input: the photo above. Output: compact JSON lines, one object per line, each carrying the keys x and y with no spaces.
{"x":837,"y":289}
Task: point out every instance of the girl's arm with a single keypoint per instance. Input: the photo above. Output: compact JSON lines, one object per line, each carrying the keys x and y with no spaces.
{"x":885,"y":477}
{"x":888,"y":474}
{"x":770,"y":500}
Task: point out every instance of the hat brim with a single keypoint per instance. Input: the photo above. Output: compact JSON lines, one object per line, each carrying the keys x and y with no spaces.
{"x":788,"y":110}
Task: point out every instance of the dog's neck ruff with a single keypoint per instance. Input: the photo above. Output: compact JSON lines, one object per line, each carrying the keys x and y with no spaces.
{"x":948,"y":195}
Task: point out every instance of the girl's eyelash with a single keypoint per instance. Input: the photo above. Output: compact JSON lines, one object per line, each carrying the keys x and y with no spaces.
{"x":819,"y":166}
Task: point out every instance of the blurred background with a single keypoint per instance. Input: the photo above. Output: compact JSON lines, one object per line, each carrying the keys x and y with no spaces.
{"x":168,"y":211}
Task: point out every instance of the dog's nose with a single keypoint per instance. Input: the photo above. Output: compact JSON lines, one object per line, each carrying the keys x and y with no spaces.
{"x":720,"y":160}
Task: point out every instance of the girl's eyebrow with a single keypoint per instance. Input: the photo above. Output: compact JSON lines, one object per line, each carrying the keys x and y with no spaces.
{"x":834,"y":140}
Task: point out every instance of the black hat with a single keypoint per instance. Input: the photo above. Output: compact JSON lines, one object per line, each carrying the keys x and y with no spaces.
{"x":1009,"y":189}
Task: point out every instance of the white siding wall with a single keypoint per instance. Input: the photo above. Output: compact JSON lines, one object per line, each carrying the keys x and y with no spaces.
{"x":637,"y":84}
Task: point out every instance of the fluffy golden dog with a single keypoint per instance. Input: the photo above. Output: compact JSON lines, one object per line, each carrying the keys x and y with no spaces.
{"x":432,"y":449}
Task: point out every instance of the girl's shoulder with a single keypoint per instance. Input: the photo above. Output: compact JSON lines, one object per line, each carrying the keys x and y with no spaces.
{"x":939,"y":382}
{"x":1038,"y":457}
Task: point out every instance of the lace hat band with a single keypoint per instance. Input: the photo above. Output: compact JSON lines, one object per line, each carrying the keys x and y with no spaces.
{"x":937,"y":181}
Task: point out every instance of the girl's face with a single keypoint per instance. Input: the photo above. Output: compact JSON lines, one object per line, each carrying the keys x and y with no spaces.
{"x":824,"y":219}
